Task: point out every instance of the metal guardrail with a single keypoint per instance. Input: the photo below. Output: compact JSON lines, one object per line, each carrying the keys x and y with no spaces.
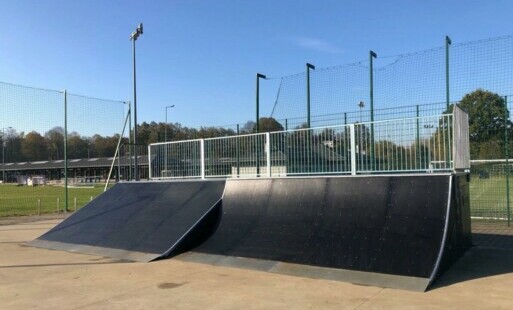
{"x":418,"y":144}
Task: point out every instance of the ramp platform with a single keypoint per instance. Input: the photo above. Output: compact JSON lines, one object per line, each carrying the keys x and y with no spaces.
{"x":137,"y":221}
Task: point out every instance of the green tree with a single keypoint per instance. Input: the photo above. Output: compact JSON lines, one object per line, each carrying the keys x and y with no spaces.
{"x":34,"y":147}
{"x":77,"y":146}
{"x":488,"y":121}
{"x":104,"y":146}
{"x":55,"y":142}
{"x":248,"y":127}
{"x":269,"y":124}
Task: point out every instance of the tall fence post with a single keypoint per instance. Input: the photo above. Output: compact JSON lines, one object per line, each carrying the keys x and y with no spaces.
{"x":308,"y":67}
{"x":268,"y":151}
{"x":353,"y":148}
{"x":506,"y":154}
{"x":65,"y":150}
{"x":129,"y":141}
{"x":417,"y":142}
{"x":448,"y":42}
{"x":202,"y":158}
{"x":258,"y":77}
{"x":372,"y":55}
{"x":308,"y":121}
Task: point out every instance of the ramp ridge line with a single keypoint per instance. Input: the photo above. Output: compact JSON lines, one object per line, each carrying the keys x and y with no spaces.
{"x":444,"y":238}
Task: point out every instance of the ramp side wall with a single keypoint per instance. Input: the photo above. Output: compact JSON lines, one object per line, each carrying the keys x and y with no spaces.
{"x":459,"y":231}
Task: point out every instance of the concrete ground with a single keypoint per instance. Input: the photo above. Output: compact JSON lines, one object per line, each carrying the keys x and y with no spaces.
{"x":33,"y":278}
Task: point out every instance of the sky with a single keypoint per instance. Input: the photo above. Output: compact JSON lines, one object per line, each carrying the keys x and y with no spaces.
{"x":202,"y":56}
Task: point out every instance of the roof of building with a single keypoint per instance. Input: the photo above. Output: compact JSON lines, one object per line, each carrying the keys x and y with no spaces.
{"x":142,"y":160}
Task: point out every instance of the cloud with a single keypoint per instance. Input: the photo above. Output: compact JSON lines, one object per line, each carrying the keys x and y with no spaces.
{"x":317,"y":44}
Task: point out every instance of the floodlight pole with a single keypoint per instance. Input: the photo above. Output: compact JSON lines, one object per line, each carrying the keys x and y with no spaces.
{"x":133,"y":38}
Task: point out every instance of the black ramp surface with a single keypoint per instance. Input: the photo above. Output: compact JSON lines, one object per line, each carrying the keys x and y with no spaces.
{"x":381,"y":224}
{"x":136,"y":221}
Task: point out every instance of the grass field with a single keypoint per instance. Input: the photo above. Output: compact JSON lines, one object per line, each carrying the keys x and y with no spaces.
{"x":23,"y":200}
{"x":487,"y":198}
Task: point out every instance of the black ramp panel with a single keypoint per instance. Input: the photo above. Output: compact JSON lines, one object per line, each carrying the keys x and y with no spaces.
{"x":378,"y":224}
{"x":136,"y":221}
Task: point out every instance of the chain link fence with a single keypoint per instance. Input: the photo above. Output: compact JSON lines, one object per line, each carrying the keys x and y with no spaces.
{"x":57,"y":148}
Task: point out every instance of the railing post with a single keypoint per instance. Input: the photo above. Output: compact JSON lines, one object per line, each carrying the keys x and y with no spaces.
{"x":353,"y":148}
{"x":268,"y":151}
{"x":237,"y":146}
{"x":149,"y":162}
{"x":202,"y":158}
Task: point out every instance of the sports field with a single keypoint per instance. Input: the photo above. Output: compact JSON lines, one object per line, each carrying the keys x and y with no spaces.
{"x":488,"y":196}
{"x":25,"y":200}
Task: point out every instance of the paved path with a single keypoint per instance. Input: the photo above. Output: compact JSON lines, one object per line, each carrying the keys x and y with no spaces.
{"x":32,"y":278}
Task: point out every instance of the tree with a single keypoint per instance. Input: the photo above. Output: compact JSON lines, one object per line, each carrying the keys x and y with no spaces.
{"x":104,"y":146}
{"x":248,"y":127}
{"x":34,"y":147}
{"x":488,"y":122}
{"x":269,"y":124}
{"x":55,"y":142}
{"x":12,"y":149}
{"x":77,"y":147}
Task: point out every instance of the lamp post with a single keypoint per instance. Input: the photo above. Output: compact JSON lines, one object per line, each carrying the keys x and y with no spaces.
{"x":165,"y":135}
{"x":133,"y":37}
{"x":165,"y":139}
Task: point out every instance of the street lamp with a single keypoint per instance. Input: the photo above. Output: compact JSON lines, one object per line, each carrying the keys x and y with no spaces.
{"x":165,"y":140}
{"x":133,"y":37}
{"x":3,"y":153}
{"x":168,"y":107}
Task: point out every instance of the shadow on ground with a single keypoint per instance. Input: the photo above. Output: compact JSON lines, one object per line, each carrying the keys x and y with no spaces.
{"x":491,"y":255}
